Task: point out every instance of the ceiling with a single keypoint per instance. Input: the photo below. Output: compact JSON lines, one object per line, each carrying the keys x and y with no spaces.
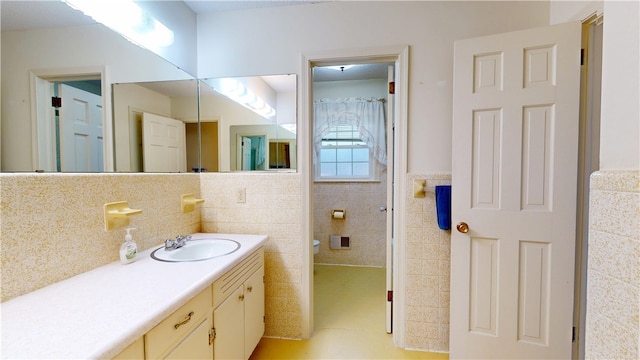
{"x":24,"y":15}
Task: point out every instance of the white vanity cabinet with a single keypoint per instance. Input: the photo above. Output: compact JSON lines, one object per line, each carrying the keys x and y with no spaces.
{"x":238,"y":316}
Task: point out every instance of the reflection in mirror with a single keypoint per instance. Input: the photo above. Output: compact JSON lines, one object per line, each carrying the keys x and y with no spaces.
{"x":156,"y":126}
{"x":35,"y":63}
{"x":256,"y":119}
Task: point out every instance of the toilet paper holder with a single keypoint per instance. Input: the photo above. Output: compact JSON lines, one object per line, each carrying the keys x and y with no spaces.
{"x":338,"y":214}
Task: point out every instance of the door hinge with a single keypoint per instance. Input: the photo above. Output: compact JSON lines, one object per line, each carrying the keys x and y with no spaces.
{"x":581,"y":56}
{"x":390,"y":295}
{"x":56,"y":102}
{"x":573,"y":334}
{"x":392,"y":87}
{"x":212,"y":335}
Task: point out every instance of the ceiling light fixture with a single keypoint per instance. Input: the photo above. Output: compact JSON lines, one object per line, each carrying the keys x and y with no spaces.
{"x":340,"y":67}
{"x":234,"y":90}
{"x":129,"y":19}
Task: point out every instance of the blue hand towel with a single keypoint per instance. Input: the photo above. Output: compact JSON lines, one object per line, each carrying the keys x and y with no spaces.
{"x":443,"y":206}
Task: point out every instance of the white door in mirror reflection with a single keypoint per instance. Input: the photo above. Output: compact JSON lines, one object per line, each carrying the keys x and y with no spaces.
{"x":81,"y":136}
{"x":253,"y":153}
{"x":246,"y":153}
{"x":163,"y":144}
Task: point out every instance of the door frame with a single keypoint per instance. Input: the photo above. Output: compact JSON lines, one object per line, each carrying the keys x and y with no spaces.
{"x":400,"y":56}
{"x":588,"y":162}
{"x":40,"y":80}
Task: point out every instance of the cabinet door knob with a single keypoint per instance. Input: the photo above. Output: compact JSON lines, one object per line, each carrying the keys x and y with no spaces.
{"x":250,"y":288}
{"x":241,"y":297}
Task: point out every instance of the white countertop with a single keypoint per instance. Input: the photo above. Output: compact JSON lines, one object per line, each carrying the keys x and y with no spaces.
{"x":99,"y":313}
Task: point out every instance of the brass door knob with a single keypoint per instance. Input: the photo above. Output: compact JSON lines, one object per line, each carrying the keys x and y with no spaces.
{"x":462,"y":227}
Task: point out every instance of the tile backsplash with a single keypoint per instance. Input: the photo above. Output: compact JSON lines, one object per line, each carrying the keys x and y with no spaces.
{"x":273,"y":207}
{"x":613,"y":281}
{"x":364,"y":223}
{"x":428,"y":250}
{"x":52,"y":225}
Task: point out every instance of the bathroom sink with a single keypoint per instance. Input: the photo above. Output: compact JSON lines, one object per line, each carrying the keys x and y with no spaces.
{"x":196,"y":250}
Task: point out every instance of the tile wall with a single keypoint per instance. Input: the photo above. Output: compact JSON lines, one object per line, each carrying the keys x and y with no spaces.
{"x":52,"y":225}
{"x":613,"y":280}
{"x":273,"y":207}
{"x":428,"y":267}
{"x":364,"y":223}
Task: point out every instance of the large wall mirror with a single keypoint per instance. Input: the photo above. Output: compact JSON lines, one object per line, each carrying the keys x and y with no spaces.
{"x":215,"y":125}
{"x":255,"y":122}
{"x":129,"y":86}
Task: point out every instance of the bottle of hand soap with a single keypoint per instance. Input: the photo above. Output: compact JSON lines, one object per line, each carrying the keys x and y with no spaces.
{"x":129,"y":249}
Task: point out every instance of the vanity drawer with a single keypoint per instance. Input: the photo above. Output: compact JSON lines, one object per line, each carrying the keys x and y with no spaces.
{"x":178,"y":325}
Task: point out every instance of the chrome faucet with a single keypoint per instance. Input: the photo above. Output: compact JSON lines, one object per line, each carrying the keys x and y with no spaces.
{"x":179,"y":242}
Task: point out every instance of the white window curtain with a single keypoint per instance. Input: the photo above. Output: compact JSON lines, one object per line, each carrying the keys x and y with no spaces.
{"x":366,"y":114}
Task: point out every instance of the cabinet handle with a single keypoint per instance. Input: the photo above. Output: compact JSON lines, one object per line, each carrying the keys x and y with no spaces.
{"x":241,"y":297}
{"x":186,"y":320}
{"x":250,"y":288}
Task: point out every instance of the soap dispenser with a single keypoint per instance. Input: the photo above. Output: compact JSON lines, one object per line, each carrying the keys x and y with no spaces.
{"x":129,"y":249}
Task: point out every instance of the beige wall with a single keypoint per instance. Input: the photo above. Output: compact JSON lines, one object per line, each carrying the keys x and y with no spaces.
{"x":273,"y":207}
{"x":363,"y":223}
{"x":428,"y":251}
{"x":53,"y":224}
{"x":613,"y":293}
{"x":613,"y":277}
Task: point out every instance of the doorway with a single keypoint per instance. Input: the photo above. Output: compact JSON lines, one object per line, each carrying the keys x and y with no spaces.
{"x":47,"y":143}
{"x":351,"y":103}
{"x":398,"y":56}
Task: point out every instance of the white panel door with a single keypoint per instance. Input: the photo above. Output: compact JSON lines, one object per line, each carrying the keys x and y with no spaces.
{"x":163,"y":144}
{"x":515,"y":144}
{"x":81,"y":138}
{"x":246,"y":153}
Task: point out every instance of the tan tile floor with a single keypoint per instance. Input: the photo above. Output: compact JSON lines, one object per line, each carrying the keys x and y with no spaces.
{"x":349,"y":320}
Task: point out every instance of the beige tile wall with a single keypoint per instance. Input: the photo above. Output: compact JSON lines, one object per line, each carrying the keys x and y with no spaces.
{"x":613,"y":275}
{"x":52,"y":225}
{"x":273,"y":207}
{"x":428,"y":267}
{"x":364,"y":223}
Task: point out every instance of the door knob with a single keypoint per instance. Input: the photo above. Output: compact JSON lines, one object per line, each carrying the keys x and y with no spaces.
{"x":462,"y":227}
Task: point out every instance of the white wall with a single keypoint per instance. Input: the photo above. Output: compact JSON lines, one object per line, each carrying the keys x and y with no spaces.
{"x":353,"y":88}
{"x":128,"y":97}
{"x":271,"y":41}
{"x":620,"y":119}
{"x":180,"y":19}
{"x":60,"y":48}
{"x":620,"y":124}
{"x":215,"y":107}
{"x":565,"y":11}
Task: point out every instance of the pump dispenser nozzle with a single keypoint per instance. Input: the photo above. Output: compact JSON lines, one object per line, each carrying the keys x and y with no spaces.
{"x":129,"y":249}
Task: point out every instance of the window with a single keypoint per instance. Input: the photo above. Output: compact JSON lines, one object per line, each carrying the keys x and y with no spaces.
{"x":349,"y":139}
{"x":344,"y":156}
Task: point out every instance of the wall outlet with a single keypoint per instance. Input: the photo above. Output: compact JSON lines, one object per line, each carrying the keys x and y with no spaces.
{"x":241,"y":196}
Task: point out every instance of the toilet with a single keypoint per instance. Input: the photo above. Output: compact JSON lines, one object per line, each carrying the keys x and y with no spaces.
{"x":316,"y":246}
